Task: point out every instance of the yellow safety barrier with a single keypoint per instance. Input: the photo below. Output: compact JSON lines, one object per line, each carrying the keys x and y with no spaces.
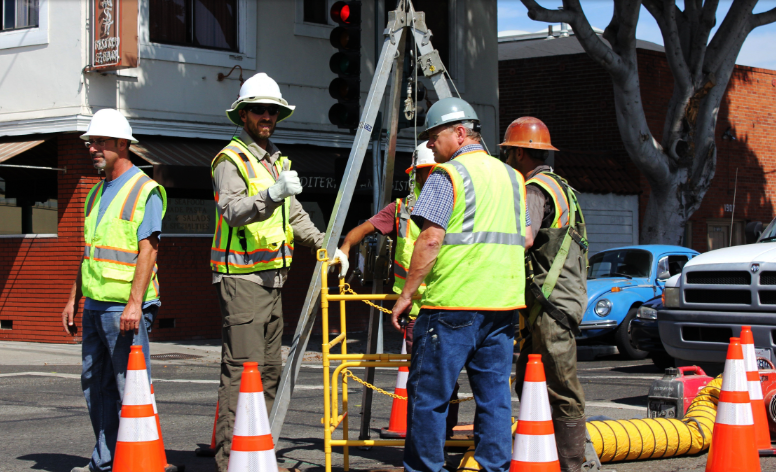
{"x":332,"y":379}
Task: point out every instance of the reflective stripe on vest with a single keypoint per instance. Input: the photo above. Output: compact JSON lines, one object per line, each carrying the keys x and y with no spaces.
{"x":558,"y":195}
{"x":244,"y":259}
{"x":92,"y":197}
{"x":406,"y":234}
{"x":481,"y":263}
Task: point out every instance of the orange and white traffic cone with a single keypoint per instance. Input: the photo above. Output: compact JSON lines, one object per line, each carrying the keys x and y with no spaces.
{"x":762,"y":435}
{"x":732,"y":443}
{"x":397,"y":425}
{"x":535,"y":449}
{"x":167,"y":467}
{"x":137,"y":446}
{"x":252,"y":446}
{"x":209,"y":451}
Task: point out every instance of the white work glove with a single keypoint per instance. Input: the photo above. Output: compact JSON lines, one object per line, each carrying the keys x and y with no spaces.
{"x":343,"y":261}
{"x":287,"y":185}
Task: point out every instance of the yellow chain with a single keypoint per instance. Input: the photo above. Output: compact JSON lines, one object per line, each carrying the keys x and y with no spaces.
{"x":366,"y":384}
{"x":350,"y":290}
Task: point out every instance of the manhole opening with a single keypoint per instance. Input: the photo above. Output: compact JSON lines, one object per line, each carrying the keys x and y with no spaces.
{"x":173,"y":355}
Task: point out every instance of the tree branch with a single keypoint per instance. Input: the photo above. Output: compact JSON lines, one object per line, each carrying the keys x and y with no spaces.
{"x":700,"y":38}
{"x":727,"y":39}
{"x":537,"y":12}
{"x":665,"y":15}
{"x":764,"y":18}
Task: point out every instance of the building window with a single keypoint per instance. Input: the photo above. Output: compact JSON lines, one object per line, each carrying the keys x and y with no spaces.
{"x":718,"y":233}
{"x":19,"y":14}
{"x":207,"y":24}
{"x":316,"y":11}
{"x":26,"y":209}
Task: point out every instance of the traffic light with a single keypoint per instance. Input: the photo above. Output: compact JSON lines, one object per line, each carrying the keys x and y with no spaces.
{"x":346,"y":63}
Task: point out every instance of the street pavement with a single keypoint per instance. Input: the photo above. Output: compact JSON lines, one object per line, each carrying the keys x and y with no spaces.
{"x":44,"y":424}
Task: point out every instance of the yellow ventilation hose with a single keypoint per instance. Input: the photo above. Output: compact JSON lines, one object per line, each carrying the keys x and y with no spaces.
{"x":629,"y":440}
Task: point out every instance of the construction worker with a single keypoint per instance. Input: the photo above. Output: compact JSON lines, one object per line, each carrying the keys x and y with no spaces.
{"x":395,"y":219}
{"x":118,"y":276}
{"x":557,"y":277}
{"x":471,"y":246}
{"x":258,"y":222}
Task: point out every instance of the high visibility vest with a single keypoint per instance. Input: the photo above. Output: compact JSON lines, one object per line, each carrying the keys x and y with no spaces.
{"x":548,"y":181}
{"x":406,"y":234}
{"x":481,"y":263}
{"x":110,"y":253}
{"x":263,"y":245}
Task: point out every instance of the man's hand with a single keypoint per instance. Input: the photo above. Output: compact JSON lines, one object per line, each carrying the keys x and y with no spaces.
{"x":130,"y":317}
{"x":287,"y":185}
{"x":343,"y":262}
{"x":67,"y":318}
{"x":401,"y":307}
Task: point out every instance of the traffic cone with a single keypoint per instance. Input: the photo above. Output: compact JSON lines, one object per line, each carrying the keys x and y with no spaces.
{"x":535,"y":449}
{"x":252,"y":446}
{"x":137,"y":445}
{"x":397,"y":425}
{"x":209,"y":451}
{"x":732,"y":443}
{"x":167,"y":467}
{"x":762,"y":435}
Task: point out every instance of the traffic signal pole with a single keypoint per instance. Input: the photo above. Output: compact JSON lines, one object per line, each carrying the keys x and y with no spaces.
{"x":401,"y":20}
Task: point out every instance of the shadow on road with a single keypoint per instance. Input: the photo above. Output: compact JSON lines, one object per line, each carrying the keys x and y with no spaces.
{"x":54,"y":462}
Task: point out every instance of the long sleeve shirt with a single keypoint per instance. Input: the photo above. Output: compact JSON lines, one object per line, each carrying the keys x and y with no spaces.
{"x":239,"y":209}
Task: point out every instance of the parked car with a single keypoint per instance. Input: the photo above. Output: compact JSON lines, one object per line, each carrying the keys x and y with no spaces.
{"x":645,"y":335}
{"x":716,"y":293}
{"x":619,"y":281}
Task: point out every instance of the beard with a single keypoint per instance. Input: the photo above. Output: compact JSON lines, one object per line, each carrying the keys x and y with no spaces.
{"x":101,"y":164}
{"x":260,"y":134}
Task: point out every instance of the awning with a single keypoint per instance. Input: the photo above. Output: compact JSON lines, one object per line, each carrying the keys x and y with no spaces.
{"x":14,"y":146}
{"x":177,"y":151}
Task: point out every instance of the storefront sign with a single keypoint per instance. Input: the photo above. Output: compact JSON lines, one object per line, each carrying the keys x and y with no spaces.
{"x":189,"y":216}
{"x":114,"y":45}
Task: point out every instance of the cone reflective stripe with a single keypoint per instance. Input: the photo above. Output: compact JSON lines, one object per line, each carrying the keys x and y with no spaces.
{"x":762,"y":435}
{"x":535,"y":449}
{"x":137,"y":445}
{"x":732,"y":445}
{"x":252,"y":446}
{"x":397,"y":424}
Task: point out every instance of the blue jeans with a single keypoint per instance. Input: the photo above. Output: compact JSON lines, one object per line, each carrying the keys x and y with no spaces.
{"x":105,"y":354}
{"x":445,"y":342}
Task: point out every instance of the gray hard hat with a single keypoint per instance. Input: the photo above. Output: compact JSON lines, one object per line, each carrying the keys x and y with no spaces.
{"x":448,"y":110}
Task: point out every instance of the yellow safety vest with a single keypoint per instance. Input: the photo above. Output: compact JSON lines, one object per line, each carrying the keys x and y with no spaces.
{"x":406,"y":234}
{"x":546,"y":180}
{"x":262,"y":245}
{"x":110,"y":253}
{"x":481,"y":264}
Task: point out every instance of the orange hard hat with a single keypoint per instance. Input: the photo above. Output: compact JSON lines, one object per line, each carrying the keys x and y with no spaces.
{"x":528,"y":132}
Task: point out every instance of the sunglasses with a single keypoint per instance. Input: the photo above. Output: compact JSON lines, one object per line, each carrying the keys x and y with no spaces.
{"x":99,"y":142}
{"x":259,"y":110}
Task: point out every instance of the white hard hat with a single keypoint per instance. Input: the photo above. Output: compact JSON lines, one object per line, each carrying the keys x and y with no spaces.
{"x":259,"y":89}
{"x":422,"y":157}
{"x":111,"y":124}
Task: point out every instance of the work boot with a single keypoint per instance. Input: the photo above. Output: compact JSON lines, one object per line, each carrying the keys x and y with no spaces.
{"x":570,"y":438}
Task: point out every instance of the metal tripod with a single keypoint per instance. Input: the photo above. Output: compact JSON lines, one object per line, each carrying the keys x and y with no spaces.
{"x":402,"y":21}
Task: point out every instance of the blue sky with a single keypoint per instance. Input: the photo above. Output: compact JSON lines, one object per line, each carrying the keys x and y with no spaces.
{"x":759,"y":50}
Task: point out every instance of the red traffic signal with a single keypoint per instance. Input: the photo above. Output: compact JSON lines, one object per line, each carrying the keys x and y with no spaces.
{"x":346,"y":13}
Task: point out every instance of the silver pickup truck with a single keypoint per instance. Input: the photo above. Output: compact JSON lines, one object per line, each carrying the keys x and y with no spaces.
{"x":716,"y":293}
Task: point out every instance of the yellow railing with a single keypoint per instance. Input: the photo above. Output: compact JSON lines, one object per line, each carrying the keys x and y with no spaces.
{"x":332,"y":418}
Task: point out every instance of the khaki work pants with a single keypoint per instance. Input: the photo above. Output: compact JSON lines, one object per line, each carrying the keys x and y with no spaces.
{"x":558,"y":349}
{"x":251,"y":331}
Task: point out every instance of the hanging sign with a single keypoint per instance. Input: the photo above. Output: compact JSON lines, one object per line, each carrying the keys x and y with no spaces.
{"x":114,"y":44}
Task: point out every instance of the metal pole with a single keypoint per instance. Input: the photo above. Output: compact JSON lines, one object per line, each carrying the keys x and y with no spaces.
{"x":733,"y":211}
{"x":393,"y":33}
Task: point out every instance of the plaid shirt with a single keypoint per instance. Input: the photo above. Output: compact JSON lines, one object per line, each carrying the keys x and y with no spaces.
{"x":435,"y":203}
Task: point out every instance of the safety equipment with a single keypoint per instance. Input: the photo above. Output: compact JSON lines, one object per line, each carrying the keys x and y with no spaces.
{"x":407,"y":233}
{"x":762,"y":434}
{"x":252,"y":445}
{"x":535,"y":449}
{"x":109,"y":123}
{"x":733,"y":445}
{"x":343,"y":262}
{"x":570,"y":434}
{"x":484,"y":245}
{"x":446,"y":111}
{"x":422,"y":157}
{"x":287,"y":185}
{"x":528,"y":132}
{"x":259,"y":89}
{"x":262,"y":245}
{"x":160,"y":442}
{"x":560,"y":254}
{"x":137,"y":445}
{"x":111,"y":247}
{"x":397,"y":424}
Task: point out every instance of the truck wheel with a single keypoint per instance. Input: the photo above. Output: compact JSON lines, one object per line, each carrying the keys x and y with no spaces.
{"x":622,"y":338}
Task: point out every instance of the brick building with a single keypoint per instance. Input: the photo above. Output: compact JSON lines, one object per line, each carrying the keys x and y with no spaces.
{"x":557,"y":82}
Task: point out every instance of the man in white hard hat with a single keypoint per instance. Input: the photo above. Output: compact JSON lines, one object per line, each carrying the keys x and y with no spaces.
{"x":258,"y":222}
{"x":117,"y":275}
{"x":392,"y":220}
